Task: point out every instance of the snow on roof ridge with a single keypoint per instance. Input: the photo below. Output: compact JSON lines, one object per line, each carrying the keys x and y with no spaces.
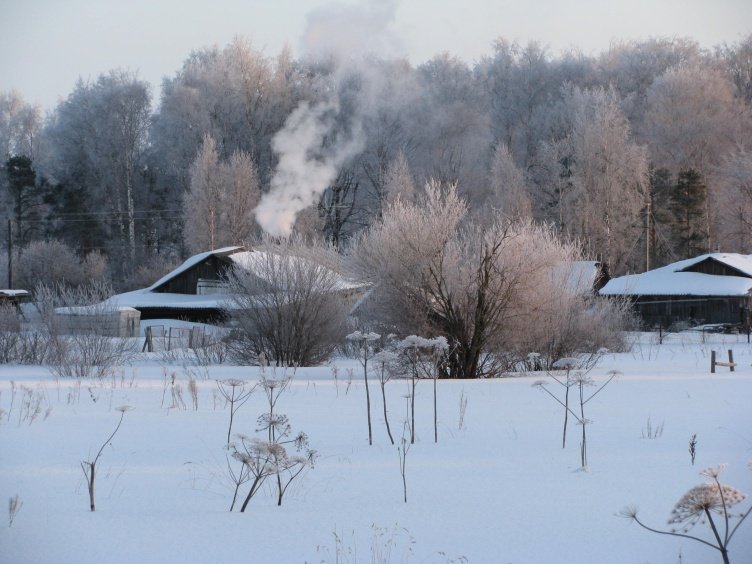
{"x":737,"y":261}
{"x":674,"y":279}
{"x":188,"y":263}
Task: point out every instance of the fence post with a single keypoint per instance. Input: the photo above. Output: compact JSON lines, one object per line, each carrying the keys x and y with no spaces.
{"x":731,"y":359}
{"x":712,"y":362}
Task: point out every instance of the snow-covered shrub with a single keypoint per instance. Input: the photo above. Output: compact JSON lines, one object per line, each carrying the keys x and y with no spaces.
{"x":287,"y":303}
{"x":495,"y":290}
{"x":53,"y":262}
{"x":18,"y":344}
{"x":81,"y":353}
{"x":10,"y":329}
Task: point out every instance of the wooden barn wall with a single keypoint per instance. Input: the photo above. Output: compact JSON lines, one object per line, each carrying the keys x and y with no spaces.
{"x":713,"y":267}
{"x":666,"y":310}
{"x":212,"y":268}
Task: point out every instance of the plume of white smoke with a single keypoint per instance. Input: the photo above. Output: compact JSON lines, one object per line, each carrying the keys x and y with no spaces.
{"x":306,"y":167}
{"x":352,"y":31}
{"x":310,"y":148}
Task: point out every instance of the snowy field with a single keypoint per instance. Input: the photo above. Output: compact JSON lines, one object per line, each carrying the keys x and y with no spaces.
{"x":499,"y":490}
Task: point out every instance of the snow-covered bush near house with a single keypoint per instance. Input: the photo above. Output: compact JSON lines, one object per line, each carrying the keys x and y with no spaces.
{"x":53,"y":262}
{"x":284,"y":305}
{"x":496,"y":290}
{"x":500,"y":490}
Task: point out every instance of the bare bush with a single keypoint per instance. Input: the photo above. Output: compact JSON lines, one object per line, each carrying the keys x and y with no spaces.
{"x":287,"y":304}
{"x":19,"y":344}
{"x":10,"y":330}
{"x":84,"y":351}
{"x":53,"y":263}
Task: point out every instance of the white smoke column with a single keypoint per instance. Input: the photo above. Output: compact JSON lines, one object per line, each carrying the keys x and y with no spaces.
{"x":305,"y":168}
{"x":352,"y":31}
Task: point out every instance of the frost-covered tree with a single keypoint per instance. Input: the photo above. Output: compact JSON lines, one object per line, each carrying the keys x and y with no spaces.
{"x":509,"y":190}
{"x":735,"y":196}
{"x":236,"y":94}
{"x":473,"y":284}
{"x":692,"y":118}
{"x":399,"y":180}
{"x":631,"y":66}
{"x":203,"y":201}
{"x":218,"y":207}
{"x":519,"y":81}
{"x":20,"y":125}
{"x":239,"y":197}
{"x":97,"y":140}
{"x":601,"y":176}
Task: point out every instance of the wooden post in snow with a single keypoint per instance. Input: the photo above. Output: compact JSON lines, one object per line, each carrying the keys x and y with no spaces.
{"x":713,"y":362}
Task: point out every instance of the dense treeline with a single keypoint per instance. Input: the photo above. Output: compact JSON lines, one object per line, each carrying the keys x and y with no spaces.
{"x":640,"y":153}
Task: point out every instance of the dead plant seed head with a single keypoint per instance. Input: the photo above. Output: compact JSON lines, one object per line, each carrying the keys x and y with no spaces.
{"x":692,"y":506}
{"x":713,"y":472}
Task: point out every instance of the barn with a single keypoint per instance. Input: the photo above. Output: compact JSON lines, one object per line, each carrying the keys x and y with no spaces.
{"x":714,"y":288}
{"x":197,"y":290}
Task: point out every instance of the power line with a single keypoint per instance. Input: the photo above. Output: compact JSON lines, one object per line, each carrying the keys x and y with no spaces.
{"x":54,"y":219}
{"x":113,"y":212}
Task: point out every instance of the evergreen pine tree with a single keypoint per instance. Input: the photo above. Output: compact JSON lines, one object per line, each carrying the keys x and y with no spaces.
{"x":687,"y":206}
{"x":24,"y":197}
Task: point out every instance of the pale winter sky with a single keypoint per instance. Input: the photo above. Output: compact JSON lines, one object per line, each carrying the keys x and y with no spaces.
{"x":45,"y":45}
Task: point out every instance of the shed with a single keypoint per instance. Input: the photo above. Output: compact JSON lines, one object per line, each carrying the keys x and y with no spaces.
{"x":14,"y":297}
{"x":714,"y":288}
{"x":106,"y":321}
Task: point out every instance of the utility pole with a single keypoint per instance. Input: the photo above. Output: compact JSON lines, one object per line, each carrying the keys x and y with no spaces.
{"x":10,"y":254}
{"x":647,"y":238}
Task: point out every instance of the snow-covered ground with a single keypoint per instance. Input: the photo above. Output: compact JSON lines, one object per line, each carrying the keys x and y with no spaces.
{"x":499,"y":490}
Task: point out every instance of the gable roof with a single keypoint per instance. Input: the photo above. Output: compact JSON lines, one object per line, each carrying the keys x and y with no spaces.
{"x":150,"y":298}
{"x":677,"y":280}
{"x":191,"y":262}
{"x":739,"y":264}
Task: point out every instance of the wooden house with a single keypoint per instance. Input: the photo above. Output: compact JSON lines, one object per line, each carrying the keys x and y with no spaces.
{"x":715,"y":288}
{"x":197,"y":290}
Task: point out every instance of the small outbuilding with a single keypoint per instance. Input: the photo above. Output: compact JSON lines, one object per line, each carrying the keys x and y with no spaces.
{"x":98,"y":320}
{"x":14,"y":297}
{"x":715,"y":288}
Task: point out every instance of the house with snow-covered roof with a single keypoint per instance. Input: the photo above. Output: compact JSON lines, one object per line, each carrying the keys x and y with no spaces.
{"x":712,"y":288}
{"x":197,"y":290}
